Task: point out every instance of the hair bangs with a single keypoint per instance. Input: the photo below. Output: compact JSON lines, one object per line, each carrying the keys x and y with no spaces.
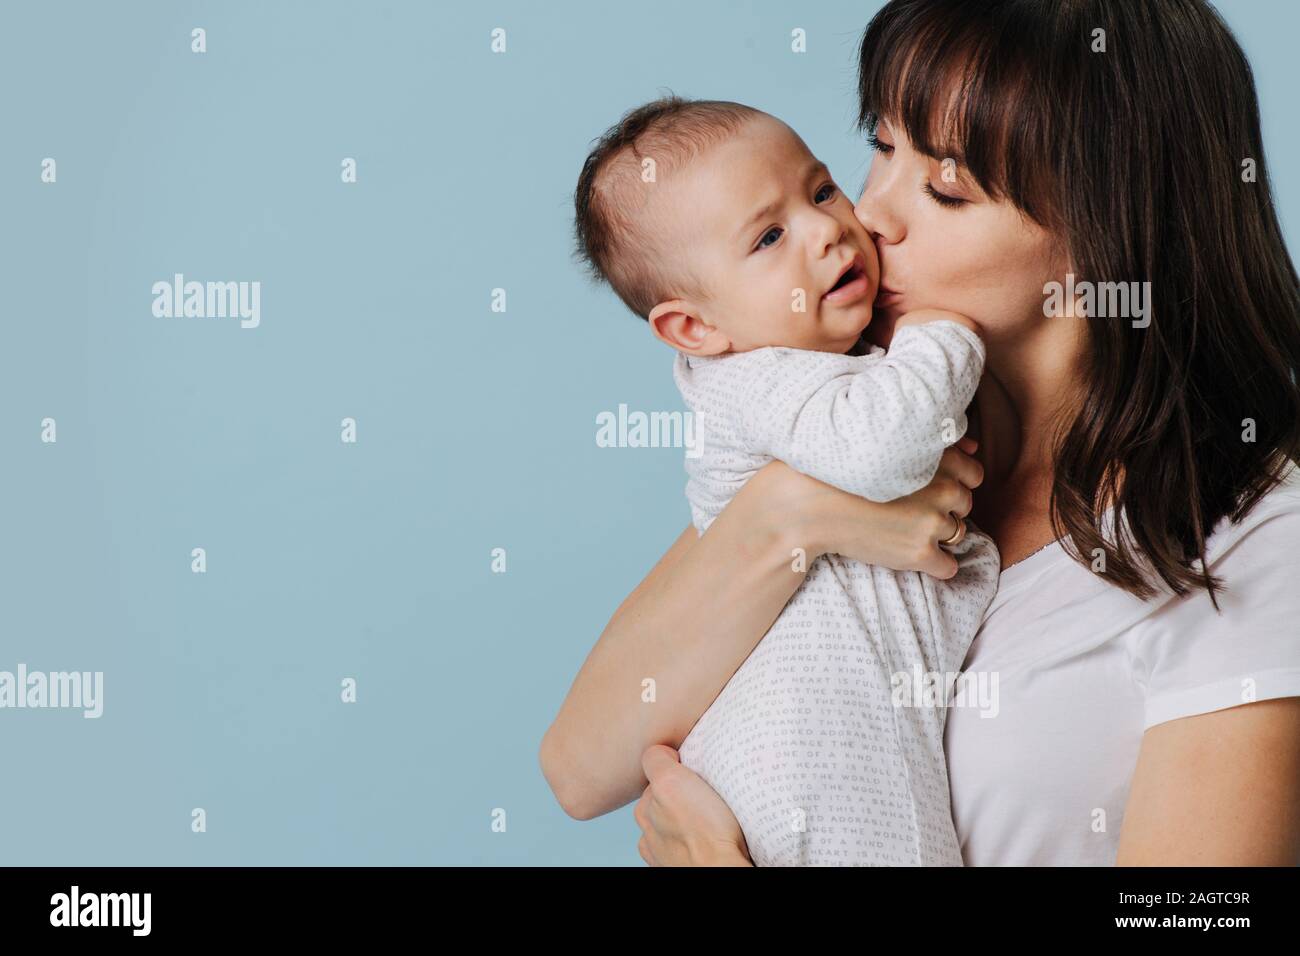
{"x":956,"y":81}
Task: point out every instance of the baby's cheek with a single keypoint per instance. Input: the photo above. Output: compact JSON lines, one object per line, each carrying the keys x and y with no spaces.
{"x":803,"y":303}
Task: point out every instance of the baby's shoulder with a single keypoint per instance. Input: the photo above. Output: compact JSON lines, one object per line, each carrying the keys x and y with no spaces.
{"x":784,"y":357}
{"x":766,"y":371}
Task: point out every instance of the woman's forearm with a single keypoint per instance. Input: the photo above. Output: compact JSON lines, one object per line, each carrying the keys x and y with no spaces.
{"x":688,"y":627}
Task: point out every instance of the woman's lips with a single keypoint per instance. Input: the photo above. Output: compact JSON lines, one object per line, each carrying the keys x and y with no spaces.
{"x":887,"y":297}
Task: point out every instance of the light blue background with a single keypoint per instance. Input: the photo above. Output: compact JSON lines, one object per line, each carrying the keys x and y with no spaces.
{"x":476,"y":429}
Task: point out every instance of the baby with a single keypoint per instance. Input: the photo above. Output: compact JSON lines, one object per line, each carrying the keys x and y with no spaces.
{"x":715,"y":223}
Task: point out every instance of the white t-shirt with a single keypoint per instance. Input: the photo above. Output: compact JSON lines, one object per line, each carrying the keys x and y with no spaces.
{"x":1083,"y":668}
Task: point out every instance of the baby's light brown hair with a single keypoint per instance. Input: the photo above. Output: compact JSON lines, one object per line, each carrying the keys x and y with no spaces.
{"x":612,"y":226}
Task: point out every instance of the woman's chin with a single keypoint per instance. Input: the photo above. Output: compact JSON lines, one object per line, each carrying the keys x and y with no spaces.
{"x":880,"y":330}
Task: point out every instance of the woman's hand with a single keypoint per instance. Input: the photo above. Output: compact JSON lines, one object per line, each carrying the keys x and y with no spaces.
{"x":903,"y":534}
{"x":683,"y":821}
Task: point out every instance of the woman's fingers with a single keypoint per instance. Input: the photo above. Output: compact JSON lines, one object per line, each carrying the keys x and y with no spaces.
{"x":684,"y":821}
{"x":942,"y":495}
{"x":645,"y":818}
{"x":903,"y":534}
{"x":952,"y":529}
{"x":657,"y":833}
{"x":649,"y":835}
{"x":641,"y":812}
{"x":959,"y":499}
{"x":948,"y":500}
{"x":961,"y":466}
{"x":657,"y":761}
{"x":643,"y":847}
{"x":955,"y":538}
{"x":939,"y":563}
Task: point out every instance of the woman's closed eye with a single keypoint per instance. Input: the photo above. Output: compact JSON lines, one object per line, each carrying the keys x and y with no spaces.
{"x":943,"y":199}
{"x":878,"y":146}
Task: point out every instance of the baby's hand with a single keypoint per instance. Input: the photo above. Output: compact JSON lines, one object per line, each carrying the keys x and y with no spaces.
{"x":925,"y":316}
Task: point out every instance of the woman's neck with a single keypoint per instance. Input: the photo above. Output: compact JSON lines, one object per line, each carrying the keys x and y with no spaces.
{"x":1041,"y":370}
{"x":1040,"y":385}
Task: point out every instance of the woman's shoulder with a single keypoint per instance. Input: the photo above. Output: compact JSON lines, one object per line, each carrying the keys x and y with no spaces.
{"x":1281,"y":504}
{"x":1193,"y":659}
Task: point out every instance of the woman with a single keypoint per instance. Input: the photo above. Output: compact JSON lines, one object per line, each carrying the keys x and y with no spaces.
{"x":1147,"y":675}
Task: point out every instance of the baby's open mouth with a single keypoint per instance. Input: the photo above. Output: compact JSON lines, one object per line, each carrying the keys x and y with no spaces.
{"x":851,"y":284}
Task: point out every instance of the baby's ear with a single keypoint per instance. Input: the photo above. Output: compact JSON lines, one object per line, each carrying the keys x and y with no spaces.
{"x":678,"y":323}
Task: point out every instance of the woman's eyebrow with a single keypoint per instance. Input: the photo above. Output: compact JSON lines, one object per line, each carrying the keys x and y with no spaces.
{"x":964,"y":176}
{"x":942,"y":145}
{"x":945,"y":145}
{"x":951,"y":151}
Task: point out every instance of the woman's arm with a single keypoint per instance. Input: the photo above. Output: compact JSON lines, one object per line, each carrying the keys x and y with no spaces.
{"x":1217,"y":789}
{"x":705,"y":606}
{"x":688,"y":626}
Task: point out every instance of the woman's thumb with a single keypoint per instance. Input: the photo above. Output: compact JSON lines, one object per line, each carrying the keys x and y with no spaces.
{"x":657,"y":759}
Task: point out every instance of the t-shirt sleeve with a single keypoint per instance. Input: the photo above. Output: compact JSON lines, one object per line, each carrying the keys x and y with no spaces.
{"x":1197,"y":661}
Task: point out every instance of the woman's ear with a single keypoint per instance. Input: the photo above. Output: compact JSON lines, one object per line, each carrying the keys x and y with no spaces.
{"x":677,"y":323}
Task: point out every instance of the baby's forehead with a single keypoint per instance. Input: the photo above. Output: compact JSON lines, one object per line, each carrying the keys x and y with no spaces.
{"x":728,"y":183}
{"x":705,"y":192}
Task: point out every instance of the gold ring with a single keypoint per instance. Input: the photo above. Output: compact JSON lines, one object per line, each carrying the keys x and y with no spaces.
{"x":957,"y":535}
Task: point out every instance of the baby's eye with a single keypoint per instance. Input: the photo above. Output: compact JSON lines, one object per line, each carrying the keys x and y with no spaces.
{"x":825,"y":193}
{"x":774,"y":234}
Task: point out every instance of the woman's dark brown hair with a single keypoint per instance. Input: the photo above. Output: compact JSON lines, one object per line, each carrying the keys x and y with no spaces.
{"x":1131,"y":145}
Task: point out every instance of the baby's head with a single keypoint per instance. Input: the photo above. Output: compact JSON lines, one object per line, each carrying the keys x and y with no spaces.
{"x":715,"y":223}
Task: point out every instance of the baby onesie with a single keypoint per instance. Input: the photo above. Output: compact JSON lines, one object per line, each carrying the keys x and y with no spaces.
{"x":818,"y":742}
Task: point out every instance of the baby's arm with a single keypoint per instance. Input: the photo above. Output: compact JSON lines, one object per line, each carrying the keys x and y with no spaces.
{"x":926,"y":316}
{"x":874,"y":425}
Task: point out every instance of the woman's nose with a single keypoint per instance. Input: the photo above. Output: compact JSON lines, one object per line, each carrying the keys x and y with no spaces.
{"x":875,"y":210}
